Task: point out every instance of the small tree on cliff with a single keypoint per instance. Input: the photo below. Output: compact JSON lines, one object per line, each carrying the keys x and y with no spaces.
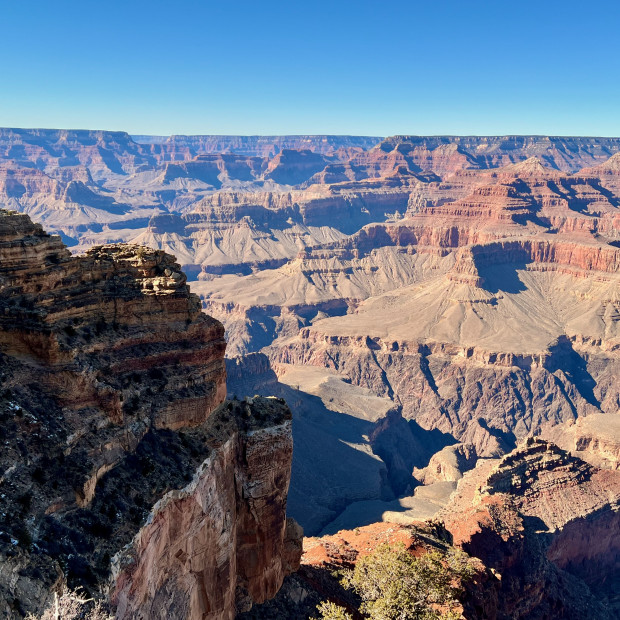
{"x":395,"y":585}
{"x":331,"y":611}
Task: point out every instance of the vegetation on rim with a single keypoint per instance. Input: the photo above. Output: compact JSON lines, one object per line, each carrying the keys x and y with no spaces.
{"x":395,"y":585}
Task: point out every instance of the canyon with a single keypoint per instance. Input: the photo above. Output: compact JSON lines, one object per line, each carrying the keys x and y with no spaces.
{"x":539,"y":525}
{"x":424,"y":305}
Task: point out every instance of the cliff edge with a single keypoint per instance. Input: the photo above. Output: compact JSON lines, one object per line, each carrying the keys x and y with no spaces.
{"x":122,"y":470}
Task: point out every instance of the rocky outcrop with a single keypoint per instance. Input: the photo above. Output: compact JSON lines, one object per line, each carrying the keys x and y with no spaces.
{"x":330,"y":413}
{"x":325,"y":558}
{"x":214,"y":169}
{"x":595,"y":439}
{"x":97,"y":315}
{"x":290,"y":167}
{"x":448,"y":465}
{"x":119,"y":457}
{"x":544,"y":522}
{"x":222,"y":542}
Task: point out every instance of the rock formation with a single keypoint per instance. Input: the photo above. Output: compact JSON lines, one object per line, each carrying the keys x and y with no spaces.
{"x":325,"y":558}
{"x":222,"y":542}
{"x":542,"y":523}
{"x":448,"y":465}
{"x":595,"y":439}
{"x":507,"y":294}
{"x":562,"y":153}
{"x":546,"y":523}
{"x":119,"y":455}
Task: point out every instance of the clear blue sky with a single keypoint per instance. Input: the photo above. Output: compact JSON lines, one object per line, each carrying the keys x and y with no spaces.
{"x":313,"y":66}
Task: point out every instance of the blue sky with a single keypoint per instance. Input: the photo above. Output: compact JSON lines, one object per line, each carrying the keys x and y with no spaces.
{"x":277,"y":67}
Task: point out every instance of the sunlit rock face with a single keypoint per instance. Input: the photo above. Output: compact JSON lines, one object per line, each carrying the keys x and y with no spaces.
{"x":222,"y":543}
{"x":546,"y":522}
{"x":114,"y":430}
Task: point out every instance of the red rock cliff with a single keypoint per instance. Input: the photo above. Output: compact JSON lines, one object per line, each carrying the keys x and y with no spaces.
{"x":114,"y":437}
{"x":547,"y":524}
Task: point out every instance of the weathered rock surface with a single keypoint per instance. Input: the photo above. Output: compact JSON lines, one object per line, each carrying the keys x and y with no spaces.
{"x":113,"y":432}
{"x":547,"y":524}
{"x":333,"y":459}
{"x":488,"y":398}
{"x":102,"y":322}
{"x":595,"y":439}
{"x":222,"y":542}
{"x":448,"y":465}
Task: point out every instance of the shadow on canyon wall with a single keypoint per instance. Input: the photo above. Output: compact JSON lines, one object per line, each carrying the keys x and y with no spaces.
{"x":340,"y":459}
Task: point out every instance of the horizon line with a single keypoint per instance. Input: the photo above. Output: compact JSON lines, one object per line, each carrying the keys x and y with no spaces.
{"x":315,"y":135}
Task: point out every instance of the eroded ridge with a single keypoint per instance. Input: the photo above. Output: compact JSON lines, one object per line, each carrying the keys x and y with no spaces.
{"x":112,"y":386}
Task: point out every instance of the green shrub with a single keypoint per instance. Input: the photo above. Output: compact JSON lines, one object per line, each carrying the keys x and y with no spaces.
{"x":331,"y":611}
{"x":395,"y":585}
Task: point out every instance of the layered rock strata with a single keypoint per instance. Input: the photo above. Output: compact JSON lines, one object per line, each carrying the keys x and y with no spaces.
{"x":118,"y":456}
{"x":546,"y":523}
{"x":595,"y":439}
{"x":470,"y":281}
{"x":221,"y":543}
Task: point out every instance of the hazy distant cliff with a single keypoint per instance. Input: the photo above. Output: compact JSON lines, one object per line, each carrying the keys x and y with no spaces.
{"x":261,"y":146}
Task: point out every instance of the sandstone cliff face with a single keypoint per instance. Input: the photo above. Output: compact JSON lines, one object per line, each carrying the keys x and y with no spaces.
{"x":222,"y":542}
{"x":110,"y":379}
{"x":97,"y":316}
{"x":545,"y":522}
